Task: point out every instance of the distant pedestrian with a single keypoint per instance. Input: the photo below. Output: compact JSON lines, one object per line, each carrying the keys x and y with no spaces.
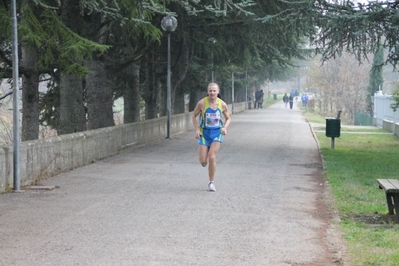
{"x":258,"y":95}
{"x":291,"y":100}
{"x":260,"y":100}
{"x":305,"y":99}
{"x":211,"y":129}
{"x":285,"y":100}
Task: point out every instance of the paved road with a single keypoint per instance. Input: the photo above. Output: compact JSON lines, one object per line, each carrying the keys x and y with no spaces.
{"x":150,"y":205}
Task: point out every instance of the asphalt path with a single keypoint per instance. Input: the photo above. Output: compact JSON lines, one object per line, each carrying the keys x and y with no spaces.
{"x":150,"y":205}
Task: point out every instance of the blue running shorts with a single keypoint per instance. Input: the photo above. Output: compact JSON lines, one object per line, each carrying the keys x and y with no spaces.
{"x":210,"y":135}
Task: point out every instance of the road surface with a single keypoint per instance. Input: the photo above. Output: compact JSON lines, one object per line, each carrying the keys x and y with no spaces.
{"x":150,"y":205}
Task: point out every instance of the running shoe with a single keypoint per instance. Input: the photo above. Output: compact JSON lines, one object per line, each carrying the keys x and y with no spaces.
{"x":211,"y":187}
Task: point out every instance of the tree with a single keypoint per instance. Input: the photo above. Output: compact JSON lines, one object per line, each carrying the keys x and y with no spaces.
{"x":243,"y":39}
{"x":375,"y":78}
{"x":30,"y":78}
{"x":94,"y":51}
{"x":339,"y":84}
{"x":43,"y":33}
{"x":72,"y":112}
{"x":361,"y":29}
{"x":358,"y":28}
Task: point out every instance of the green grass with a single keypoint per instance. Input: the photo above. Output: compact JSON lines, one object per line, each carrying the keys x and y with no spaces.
{"x":313,"y":117}
{"x":352,"y":168}
{"x":267,"y":101}
{"x":369,"y":130}
{"x":359,"y":130}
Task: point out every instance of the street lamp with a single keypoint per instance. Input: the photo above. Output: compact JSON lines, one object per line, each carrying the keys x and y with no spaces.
{"x":168,"y":24}
{"x":15,"y":80}
{"x":246,"y":89}
{"x":212,"y":40}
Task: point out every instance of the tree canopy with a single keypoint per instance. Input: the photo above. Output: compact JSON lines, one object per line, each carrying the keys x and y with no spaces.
{"x":119,"y":46}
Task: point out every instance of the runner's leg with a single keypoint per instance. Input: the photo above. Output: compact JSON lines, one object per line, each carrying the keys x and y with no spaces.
{"x":203,"y":154}
{"x":213,"y":150}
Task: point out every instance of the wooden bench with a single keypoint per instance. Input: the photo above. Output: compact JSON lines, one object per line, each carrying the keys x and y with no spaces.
{"x":391,"y":187}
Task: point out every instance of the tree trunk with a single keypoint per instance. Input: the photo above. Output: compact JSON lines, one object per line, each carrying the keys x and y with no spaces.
{"x":30,"y":86}
{"x":193,"y":101}
{"x":178,"y":75}
{"x":179,"y":105}
{"x":99,"y":96}
{"x":151,"y":87}
{"x":72,"y":110}
{"x":131,"y":94}
{"x":162,"y":98}
{"x":195,"y":96}
{"x":30,"y":95}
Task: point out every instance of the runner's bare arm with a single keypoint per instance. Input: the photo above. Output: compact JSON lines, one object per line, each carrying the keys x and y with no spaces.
{"x":226,"y":117}
{"x":197,"y":110}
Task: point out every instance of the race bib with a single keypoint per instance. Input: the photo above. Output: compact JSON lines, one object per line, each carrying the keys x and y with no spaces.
{"x":212,"y":120}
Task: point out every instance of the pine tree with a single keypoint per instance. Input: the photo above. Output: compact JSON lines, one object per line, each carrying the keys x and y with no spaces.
{"x":375,"y":78}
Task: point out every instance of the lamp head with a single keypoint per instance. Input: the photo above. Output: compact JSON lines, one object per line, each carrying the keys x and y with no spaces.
{"x":211,"y":40}
{"x":169,"y":23}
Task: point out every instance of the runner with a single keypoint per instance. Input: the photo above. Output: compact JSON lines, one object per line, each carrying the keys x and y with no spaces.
{"x":211,"y":129}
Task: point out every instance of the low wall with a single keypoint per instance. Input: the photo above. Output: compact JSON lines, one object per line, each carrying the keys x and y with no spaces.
{"x":390,"y":126}
{"x":41,"y":159}
{"x":382,"y":109}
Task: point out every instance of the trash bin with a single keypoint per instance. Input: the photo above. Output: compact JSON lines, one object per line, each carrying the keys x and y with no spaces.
{"x":274,"y":96}
{"x":333,"y":127}
{"x":249,"y":104}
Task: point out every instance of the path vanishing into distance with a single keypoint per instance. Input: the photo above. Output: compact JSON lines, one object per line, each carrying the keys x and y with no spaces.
{"x":150,"y":205}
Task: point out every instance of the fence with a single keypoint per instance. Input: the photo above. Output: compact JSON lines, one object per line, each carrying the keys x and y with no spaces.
{"x":362,"y":119}
{"x":383,"y":111}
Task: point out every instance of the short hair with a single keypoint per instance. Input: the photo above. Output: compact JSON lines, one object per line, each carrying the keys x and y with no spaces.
{"x":212,"y":84}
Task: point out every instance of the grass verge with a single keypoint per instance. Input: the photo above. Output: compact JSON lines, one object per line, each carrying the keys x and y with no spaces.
{"x":267,"y":101}
{"x":353,"y":167}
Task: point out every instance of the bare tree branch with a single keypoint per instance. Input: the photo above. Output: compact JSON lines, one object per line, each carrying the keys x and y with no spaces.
{"x":5,"y":95}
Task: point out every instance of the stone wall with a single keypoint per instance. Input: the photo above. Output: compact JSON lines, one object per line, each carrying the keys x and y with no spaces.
{"x":41,"y":159}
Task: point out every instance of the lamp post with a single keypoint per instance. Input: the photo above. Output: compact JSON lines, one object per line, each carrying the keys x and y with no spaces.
{"x":212,"y":40}
{"x":246,"y":88}
{"x":212,"y":70}
{"x":168,"y":24}
{"x":15,"y":77}
{"x":232,"y":93}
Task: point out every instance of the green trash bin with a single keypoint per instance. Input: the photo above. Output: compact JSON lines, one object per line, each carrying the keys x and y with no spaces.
{"x":333,"y":127}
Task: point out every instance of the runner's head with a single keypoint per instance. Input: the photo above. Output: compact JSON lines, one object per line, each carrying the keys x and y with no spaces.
{"x":213,"y":90}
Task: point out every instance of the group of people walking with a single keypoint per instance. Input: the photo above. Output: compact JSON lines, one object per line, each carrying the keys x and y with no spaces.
{"x":288,"y":99}
{"x":258,"y":99}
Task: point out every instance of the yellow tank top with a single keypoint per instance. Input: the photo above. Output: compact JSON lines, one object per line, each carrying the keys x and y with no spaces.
{"x":212,"y":118}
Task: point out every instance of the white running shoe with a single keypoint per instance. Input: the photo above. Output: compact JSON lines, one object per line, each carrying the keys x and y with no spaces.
{"x":211,"y":187}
